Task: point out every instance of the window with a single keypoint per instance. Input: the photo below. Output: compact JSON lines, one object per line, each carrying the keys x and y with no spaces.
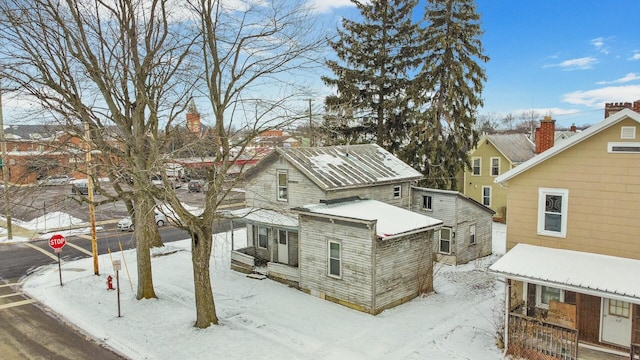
{"x":445,"y":240}
{"x":552,"y":212}
{"x":335,"y":259}
{"x":282,"y":185}
{"x":397,"y":191}
{"x":546,"y":294}
{"x":263,"y":237}
{"x":426,"y":202}
{"x":475,"y":166}
{"x":472,"y":234}
{"x":486,"y":195}
{"x":619,"y":308}
{"x":495,"y":166}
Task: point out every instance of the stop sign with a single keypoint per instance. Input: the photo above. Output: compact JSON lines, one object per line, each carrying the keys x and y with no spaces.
{"x":57,"y":241}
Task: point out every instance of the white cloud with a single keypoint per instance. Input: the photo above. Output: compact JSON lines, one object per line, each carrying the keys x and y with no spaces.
{"x":324,"y":6}
{"x":597,"y":98}
{"x":635,"y":56}
{"x":582,"y":63}
{"x":599,"y":44}
{"x":624,"y":79}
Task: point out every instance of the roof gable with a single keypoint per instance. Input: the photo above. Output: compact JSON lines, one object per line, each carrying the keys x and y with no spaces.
{"x":517,"y":148}
{"x":348,"y":166}
{"x":568,"y":143}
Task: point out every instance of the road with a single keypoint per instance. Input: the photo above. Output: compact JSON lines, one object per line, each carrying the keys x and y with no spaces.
{"x":28,"y":330}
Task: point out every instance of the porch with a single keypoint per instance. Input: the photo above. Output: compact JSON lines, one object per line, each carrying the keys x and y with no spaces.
{"x":536,"y":339}
{"x":244,"y":260}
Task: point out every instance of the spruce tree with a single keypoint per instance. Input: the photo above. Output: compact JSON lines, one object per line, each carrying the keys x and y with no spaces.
{"x":450,"y":86}
{"x":378,"y":60}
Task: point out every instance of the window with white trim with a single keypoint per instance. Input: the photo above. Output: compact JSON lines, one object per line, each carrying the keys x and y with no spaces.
{"x":334,"y":256}
{"x":445,"y":240}
{"x":472,"y":234}
{"x":546,"y":294}
{"x":495,"y":166}
{"x":262,"y":237}
{"x":486,"y":195}
{"x":397,"y":191}
{"x":281,"y":180}
{"x":427,"y":202}
{"x":476,"y":162}
{"x":552,"y":212}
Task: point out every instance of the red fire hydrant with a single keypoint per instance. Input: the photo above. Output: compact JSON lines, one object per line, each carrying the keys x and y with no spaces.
{"x":110,"y":283}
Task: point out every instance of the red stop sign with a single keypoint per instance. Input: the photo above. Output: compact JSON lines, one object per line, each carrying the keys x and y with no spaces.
{"x":57,"y":241}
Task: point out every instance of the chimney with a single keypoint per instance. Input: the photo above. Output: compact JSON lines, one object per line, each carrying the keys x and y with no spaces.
{"x":545,"y":134}
{"x":193,"y":118}
{"x":612,"y":108}
{"x":573,"y":128}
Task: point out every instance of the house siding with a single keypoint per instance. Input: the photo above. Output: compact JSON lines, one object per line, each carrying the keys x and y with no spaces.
{"x":473,"y":184}
{"x":383,"y":193}
{"x":354,"y":288}
{"x":403,"y":269}
{"x":458,"y":214}
{"x":603,"y":199}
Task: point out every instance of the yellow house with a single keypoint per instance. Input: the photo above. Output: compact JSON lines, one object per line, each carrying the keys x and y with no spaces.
{"x":573,"y":242}
{"x":493,"y":156}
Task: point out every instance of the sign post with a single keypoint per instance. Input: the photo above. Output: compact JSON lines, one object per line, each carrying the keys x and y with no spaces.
{"x":57,"y":242}
{"x":116,"y":267}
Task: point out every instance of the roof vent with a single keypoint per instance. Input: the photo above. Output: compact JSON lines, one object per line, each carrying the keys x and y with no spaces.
{"x":624,"y":147}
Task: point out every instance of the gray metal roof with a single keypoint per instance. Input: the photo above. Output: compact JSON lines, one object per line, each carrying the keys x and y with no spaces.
{"x":517,"y":148}
{"x":346,"y":166}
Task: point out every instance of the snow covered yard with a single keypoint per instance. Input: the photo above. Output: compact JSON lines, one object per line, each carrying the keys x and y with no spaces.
{"x":268,"y":320}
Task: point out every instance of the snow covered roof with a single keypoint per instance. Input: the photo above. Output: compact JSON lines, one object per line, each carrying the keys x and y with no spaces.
{"x":567,"y":143}
{"x":392,"y":221}
{"x":587,"y":273}
{"x":338,"y":167}
{"x":263,"y":216}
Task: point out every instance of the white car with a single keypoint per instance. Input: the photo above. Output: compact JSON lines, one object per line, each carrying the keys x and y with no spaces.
{"x":127,"y":224}
{"x":56,"y":180}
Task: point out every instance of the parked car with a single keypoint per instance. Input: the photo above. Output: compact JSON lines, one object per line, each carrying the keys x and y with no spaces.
{"x":196,"y":186}
{"x":81,"y":187}
{"x":126,"y":224}
{"x":56,"y":180}
{"x":156,"y":180}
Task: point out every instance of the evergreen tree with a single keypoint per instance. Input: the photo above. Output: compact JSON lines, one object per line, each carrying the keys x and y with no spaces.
{"x":450,"y":86}
{"x":379,"y":57}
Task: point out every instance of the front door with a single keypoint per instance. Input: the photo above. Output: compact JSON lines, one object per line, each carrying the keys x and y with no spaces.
{"x":283,"y":247}
{"x":616,"y":322}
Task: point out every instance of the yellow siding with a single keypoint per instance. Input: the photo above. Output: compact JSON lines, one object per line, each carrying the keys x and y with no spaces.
{"x":473,"y":184}
{"x":603,"y":202}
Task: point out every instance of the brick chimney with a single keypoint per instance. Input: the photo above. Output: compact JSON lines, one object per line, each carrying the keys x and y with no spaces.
{"x":612,"y":108}
{"x":545,"y":134}
{"x":573,"y":128}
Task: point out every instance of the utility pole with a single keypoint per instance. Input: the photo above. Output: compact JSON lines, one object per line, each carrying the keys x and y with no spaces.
{"x":5,"y":174}
{"x":92,"y":210}
{"x":310,"y":125}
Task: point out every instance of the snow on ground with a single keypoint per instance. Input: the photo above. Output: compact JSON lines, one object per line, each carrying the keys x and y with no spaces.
{"x":268,"y":320}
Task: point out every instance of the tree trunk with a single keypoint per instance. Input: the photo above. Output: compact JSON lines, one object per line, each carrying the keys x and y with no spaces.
{"x":201,"y":244}
{"x":144,"y":216}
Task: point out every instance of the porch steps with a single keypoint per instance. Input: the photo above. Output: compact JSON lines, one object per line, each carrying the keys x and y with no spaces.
{"x":256,"y":276}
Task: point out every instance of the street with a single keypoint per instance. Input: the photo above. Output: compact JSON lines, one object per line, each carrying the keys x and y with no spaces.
{"x":27,"y":328}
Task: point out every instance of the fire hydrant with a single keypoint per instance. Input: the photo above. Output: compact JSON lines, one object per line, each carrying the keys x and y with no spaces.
{"x":110,"y":283}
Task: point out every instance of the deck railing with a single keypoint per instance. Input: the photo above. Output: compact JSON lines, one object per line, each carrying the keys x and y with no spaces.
{"x":539,"y":340}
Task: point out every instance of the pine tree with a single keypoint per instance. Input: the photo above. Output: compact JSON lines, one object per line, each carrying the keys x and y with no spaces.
{"x":379,"y":58}
{"x":450,"y":84}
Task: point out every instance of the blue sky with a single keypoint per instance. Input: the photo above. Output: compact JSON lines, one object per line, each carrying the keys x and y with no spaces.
{"x":564,"y":58}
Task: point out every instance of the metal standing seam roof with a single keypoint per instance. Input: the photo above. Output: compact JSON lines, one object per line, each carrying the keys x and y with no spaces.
{"x":517,"y":148}
{"x":336,"y":167}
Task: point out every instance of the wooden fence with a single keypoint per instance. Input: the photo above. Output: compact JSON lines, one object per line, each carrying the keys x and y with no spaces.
{"x":538,"y":340}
